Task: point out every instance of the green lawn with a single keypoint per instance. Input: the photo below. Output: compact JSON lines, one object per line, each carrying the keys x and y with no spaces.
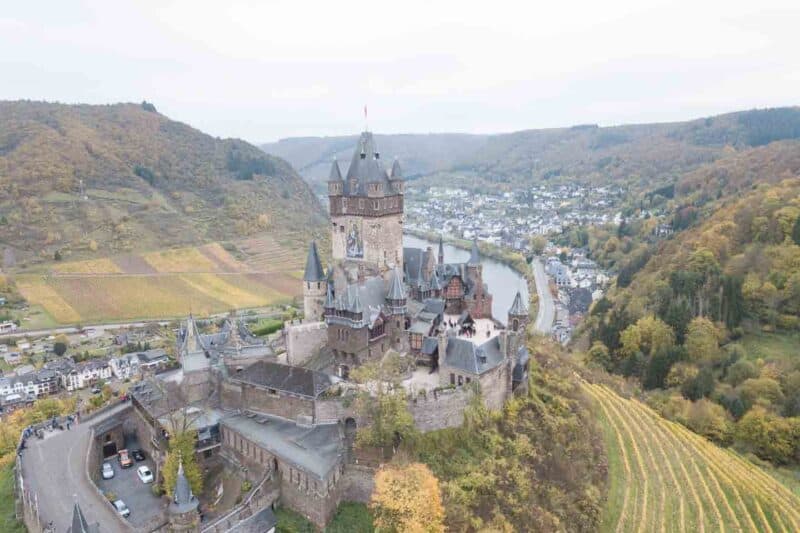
{"x":351,"y":517}
{"x":8,"y":520}
{"x":771,"y":346}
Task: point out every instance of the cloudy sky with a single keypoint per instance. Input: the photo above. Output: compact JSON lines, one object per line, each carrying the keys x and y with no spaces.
{"x":262,"y":70}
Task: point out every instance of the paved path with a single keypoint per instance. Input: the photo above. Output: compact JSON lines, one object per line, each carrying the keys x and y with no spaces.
{"x":547,"y":310}
{"x":55,"y":469}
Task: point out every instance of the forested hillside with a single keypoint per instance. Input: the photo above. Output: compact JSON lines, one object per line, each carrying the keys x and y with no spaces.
{"x":708,"y":318}
{"x":90,"y":181}
{"x":642,"y":155}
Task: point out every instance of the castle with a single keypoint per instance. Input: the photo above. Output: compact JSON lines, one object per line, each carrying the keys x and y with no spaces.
{"x":289,"y":428}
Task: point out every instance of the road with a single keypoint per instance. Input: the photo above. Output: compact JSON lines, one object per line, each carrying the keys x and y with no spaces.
{"x":55,"y":469}
{"x":547,"y":309}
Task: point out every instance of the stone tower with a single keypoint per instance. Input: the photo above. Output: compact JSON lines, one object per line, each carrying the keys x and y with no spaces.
{"x":480,"y":305}
{"x":183,"y":511}
{"x":518,"y":316}
{"x":366,"y":208}
{"x":441,"y":250}
{"x":315,"y":286}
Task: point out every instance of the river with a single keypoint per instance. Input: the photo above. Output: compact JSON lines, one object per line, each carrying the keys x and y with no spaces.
{"x":503,"y":281}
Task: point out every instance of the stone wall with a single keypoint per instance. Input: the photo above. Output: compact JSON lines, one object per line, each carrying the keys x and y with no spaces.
{"x":496,"y":386}
{"x":315,"y":507}
{"x":238,"y":395}
{"x":339,"y":409}
{"x":382,"y":238}
{"x":358,"y":483}
{"x":445,"y":409}
{"x":314,"y":294}
{"x":196,"y":385}
{"x":304,"y":340}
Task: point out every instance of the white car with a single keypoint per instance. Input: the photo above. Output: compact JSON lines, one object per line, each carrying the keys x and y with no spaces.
{"x":108,"y":470}
{"x":121,"y":508}
{"x":144,"y":474}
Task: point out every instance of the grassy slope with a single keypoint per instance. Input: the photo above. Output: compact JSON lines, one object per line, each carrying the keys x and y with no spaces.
{"x":661,"y":473}
{"x":351,"y":517}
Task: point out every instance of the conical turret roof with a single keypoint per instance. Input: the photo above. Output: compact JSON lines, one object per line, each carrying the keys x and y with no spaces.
{"x":397,"y":172}
{"x":314,"y":270}
{"x":182,"y":498}
{"x":436,"y":285}
{"x":355,"y":302}
{"x":518,"y":308}
{"x":396,"y":289}
{"x":336,"y":174}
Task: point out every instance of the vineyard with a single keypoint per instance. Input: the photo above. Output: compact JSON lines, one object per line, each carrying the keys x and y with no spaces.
{"x":663,"y":477}
{"x":165,"y":284}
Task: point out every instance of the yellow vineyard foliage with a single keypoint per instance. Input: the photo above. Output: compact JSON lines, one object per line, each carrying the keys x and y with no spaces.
{"x":663,"y":477}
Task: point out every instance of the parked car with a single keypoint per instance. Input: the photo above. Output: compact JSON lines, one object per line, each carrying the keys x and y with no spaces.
{"x":138,"y":455}
{"x":144,"y":474}
{"x":108,"y":470}
{"x":121,"y":508}
{"x":124,"y":459}
{"x":96,"y":390}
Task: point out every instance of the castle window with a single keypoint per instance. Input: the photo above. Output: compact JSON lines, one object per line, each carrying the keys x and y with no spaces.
{"x":341,"y":229}
{"x":460,"y":381}
{"x":469,"y":380}
{"x":452,"y":379}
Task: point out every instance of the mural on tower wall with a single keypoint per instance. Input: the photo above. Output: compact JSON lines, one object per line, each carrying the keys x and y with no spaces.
{"x":355,"y":243}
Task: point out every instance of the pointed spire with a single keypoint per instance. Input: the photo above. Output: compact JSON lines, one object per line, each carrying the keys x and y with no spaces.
{"x":336,"y":174}
{"x":518,"y":308}
{"x":441,"y":250}
{"x":192,"y":343}
{"x":330,"y":273}
{"x":314,"y":270}
{"x":79,"y":523}
{"x":397,"y":172}
{"x":475,"y":254}
{"x":396,"y":289}
{"x":182,"y":498}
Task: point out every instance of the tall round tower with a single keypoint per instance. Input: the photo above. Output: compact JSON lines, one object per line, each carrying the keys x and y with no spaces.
{"x":315,"y":286}
{"x":183,"y":510}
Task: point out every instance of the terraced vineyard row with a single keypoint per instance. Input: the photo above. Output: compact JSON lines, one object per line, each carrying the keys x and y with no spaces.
{"x":664,"y":478}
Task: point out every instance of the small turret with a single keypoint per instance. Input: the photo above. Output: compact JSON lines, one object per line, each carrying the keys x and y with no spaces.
{"x":441,"y":250}
{"x":183,"y":511}
{"x":518,"y":315}
{"x":396,"y":295}
{"x":314,"y":285}
{"x":79,"y":524}
{"x":335,"y":181}
{"x":475,"y":254}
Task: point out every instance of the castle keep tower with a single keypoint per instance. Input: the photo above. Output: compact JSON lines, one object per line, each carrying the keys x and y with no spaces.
{"x":366,"y":208}
{"x":315,"y":286}
{"x":518,"y":316}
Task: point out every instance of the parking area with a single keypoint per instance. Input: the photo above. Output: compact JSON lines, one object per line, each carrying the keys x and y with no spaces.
{"x":126,"y":486}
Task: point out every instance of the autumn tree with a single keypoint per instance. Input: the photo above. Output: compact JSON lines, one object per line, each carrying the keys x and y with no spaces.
{"x":407,"y":499}
{"x":702,"y":340}
{"x":181,"y":450}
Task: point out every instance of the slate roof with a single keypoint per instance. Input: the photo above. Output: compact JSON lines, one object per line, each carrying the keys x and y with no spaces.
{"x":316,"y":450}
{"x":464,"y":355}
{"x":291,"y":379}
{"x":314,"y":270}
{"x":518,"y":308}
{"x":396,"y":289}
{"x":434,"y":305}
{"x":182,"y":498}
{"x":366,"y":167}
{"x":336,"y":174}
{"x":413,"y":261}
{"x":397,"y":172}
{"x":430,"y":345}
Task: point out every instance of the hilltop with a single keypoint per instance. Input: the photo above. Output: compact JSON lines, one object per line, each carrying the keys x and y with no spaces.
{"x":640,"y":155}
{"x":148,"y":182}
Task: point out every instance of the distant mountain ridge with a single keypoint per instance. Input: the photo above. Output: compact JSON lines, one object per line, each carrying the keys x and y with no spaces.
{"x":638,"y":154}
{"x":96,"y":180}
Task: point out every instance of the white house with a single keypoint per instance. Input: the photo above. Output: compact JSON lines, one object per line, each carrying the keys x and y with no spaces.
{"x":86,"y":373}
{"x":125,"y":366}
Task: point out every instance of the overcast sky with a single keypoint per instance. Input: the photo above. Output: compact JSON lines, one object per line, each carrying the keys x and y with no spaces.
{"x":262,"y":70}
